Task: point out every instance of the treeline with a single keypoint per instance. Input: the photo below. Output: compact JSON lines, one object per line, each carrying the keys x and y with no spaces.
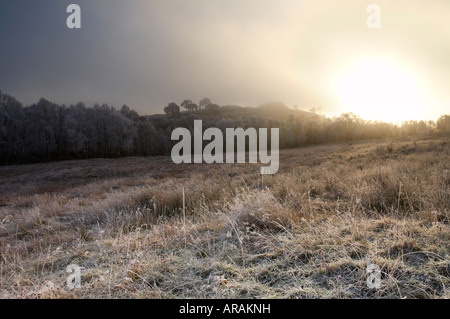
{"x":47,"y":131}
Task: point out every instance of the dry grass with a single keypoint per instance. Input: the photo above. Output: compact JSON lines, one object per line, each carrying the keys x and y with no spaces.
{"x":309,"y":231}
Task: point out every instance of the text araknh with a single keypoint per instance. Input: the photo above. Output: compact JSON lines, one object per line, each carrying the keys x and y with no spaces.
{"x":214,"y":152}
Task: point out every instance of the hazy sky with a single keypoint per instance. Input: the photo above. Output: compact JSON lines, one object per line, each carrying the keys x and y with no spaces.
{"x":148,"y":53}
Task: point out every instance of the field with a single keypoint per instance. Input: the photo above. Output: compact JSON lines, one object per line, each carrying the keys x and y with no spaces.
{"x":310,"y":231}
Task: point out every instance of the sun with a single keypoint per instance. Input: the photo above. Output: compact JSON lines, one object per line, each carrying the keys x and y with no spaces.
{"x":379,"y":89}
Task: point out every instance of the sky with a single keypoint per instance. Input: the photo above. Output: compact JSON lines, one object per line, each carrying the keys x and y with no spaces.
{"x":147,"y":53}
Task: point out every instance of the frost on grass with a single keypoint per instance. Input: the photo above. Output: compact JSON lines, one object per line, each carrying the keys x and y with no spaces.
{"x":310,"y":231}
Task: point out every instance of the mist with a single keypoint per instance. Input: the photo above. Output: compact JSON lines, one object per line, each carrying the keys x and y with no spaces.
{"x":148,"y":53}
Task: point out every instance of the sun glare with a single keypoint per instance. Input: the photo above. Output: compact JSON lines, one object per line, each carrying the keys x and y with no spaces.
{"x":377,"y":89}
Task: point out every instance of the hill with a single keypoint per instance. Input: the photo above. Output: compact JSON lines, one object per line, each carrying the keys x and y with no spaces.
{"x":46,"y":131}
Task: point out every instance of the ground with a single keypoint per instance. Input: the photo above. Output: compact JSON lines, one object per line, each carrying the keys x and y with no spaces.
{"x":309,"y":231}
